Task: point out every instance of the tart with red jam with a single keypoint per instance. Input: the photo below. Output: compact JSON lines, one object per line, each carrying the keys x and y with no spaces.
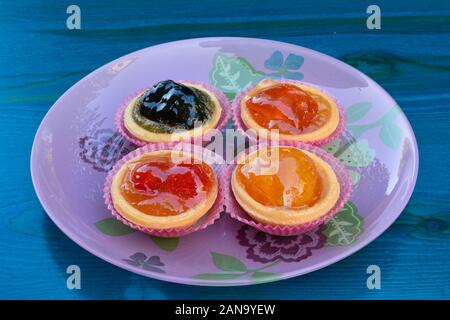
{"x":285,"y":186}
{"x":172,"y":111}
{"x":164,"y":189}
{"x":297,"y":111}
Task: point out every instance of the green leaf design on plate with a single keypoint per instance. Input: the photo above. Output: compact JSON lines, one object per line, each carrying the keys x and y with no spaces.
{"x":355,"y":176}
{"x":390,"y":116}
{"x":345,"y":227}
{"x":357,"y":111}
{"x":261,"y":276}
{"x":227,"y":263}
{"x":113,"y":227}
{"x":232,"y":74}
{"x":391,"y":135}
{"x":217,"y":276}
{"x":358,"y":154}
{"x":235,"y":268}
{"x":166,"y":244}
{"x":332,"y":147}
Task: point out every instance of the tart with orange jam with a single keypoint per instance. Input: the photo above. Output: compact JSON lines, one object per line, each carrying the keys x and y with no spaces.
{"x":284,"y":186}
{"x":164,"y":189}
{"x":299,"y":112}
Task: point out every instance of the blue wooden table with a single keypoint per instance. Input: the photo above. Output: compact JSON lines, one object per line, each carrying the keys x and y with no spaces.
{"x":40,"y":59}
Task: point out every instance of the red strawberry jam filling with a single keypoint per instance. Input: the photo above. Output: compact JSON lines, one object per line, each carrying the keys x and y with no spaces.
{"x":156,"y":185}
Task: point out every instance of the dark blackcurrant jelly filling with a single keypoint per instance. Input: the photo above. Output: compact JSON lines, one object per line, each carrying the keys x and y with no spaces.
{"x":169,"y":106}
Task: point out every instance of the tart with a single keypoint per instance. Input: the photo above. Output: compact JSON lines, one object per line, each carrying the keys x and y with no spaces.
{"x":298,"y":111}
{"x":284,"y":186}
{"x":172,"y":111}
{"x":164,"y":189}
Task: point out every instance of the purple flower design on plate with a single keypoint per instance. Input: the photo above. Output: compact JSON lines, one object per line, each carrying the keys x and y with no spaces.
{"x":140,"y":259}
{"x":103,"y":149}
{"x":263,"y":247}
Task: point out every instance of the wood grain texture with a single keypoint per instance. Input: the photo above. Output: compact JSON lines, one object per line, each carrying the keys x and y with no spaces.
{"x":409,"y":57}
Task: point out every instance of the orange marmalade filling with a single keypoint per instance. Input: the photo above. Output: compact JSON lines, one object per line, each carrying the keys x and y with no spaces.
{"x":281,"y":177}
{"x":157,"y":186}
{"x":288,"y":108}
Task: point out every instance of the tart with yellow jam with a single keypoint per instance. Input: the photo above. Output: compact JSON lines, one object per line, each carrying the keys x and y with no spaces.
{"x":284,"y":186}
{"x":299,"y":112}
{"x":164,"y":189}
{"x":172,"y":111}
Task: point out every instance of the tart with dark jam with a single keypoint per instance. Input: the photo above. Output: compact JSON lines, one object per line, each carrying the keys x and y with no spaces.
{"x":164,"y":189}
{"x":284,"y":185}
{"x":299,"y":112}
{"x":172,"y":111}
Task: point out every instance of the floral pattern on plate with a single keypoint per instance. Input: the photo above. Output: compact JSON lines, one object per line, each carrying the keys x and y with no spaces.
{"x":103,"y":149}
{"x":263,"y":247}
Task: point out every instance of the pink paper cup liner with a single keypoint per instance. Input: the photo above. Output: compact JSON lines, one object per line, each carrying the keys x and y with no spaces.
{"x":236,"y":212}
{"x":236,"y":114}
{"x":216,"y":162}
{"x":205,"y":138}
